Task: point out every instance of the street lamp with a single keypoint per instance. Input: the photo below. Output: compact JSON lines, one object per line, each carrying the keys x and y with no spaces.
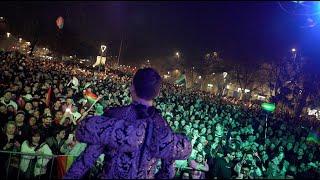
{"x":225,"y":74}
{"x":178,"y":54}
{"x":215,"y":54}
{"x":103,"y":48}
{"x":294,"y":53}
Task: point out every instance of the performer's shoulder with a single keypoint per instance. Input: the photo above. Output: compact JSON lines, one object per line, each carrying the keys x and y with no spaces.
{"x":159,"y":119}
{"x":115,"y":111}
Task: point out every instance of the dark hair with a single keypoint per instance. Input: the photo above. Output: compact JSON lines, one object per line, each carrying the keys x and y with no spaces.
{"x":58,"y":129}
{"x":34,"y":131}
{"x":147,"y":83}
{"x":227,"y":150}
{"x":1,"y":104}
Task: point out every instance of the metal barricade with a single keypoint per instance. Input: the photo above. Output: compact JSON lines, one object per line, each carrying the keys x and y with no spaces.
{"x":14,"y":169}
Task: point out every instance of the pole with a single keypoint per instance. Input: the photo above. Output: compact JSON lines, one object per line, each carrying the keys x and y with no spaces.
{"x":265,"y":131}
{"x":120,"y":52}
{"x":51,"y":168}
{"x":7,"y":170}
{"x":99,"y":64}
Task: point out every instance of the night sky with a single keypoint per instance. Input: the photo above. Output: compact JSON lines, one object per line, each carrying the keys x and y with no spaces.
{"x":240,"y":31}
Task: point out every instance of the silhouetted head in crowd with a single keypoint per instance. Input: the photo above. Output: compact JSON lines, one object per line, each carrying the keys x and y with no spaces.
{"x":229,"y":154}
{"x":145,"y":86}
{"x":34,"y":139}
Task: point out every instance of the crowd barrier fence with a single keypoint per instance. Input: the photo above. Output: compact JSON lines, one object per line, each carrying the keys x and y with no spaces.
{"x":8,"y":157}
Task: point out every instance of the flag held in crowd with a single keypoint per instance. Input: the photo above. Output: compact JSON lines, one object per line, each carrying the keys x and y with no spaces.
{"x":182,"y":80}
{"x":314,"y":137}
{"x":90,"y":96}
{"x":63,"y":164}
{"x":48,"y":96}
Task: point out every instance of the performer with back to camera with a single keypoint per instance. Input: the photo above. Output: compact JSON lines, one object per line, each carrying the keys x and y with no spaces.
{"x":134,"y":138}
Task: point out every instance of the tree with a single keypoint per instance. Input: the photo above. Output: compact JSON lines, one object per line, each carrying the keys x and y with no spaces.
{"x":293,"y":81}
{"x":36,"y":32}
{"x":244,"y":74}
{"x":212,"y":68}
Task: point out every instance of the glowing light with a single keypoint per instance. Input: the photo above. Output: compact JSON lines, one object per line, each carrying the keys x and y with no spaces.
{"x":103,"y":48}
{"x":168,"y":72}
{"x":199,"y":77}
{"x":270,"y":107}
{"x":20,"y":39}
{"x":215,"y":54}
{"x":28,"y":43}
{"x":246,"y":90}
{"x":60,"y":22}
{"x":299,"y":2}
{"x":178,"y":55}
{"x":8,"y":34}
{"x":293,"y":50}
{"x":225,"y":74}
{"x":210,"y":85}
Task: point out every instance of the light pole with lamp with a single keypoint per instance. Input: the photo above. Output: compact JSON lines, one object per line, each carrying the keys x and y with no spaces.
{"x":225,"y":74}
{"x":294,"y":54}
{"x":103,"y":49}
{"x":178,"y":55}
{"x":179,"y":63}
{"x":268,"y":108}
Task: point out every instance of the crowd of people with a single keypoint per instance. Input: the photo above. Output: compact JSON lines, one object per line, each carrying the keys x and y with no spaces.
{"x":41,"y":105}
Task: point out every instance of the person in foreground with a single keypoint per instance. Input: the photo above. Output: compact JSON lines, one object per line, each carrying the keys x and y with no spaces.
{"x":134,"y":138}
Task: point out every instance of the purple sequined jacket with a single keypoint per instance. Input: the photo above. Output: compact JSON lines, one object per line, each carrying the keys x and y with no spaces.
{"x":133,"y":138}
